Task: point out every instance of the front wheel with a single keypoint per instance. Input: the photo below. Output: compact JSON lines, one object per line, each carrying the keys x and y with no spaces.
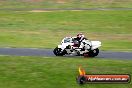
{"x":58,"y":51}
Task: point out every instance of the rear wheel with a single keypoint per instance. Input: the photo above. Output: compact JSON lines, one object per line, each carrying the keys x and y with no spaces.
{"x":58,"y":51}
{"x":96,"y":52}
{"x":92,"y":53}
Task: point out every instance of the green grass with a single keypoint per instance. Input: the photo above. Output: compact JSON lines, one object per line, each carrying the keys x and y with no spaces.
{"x":57,"y":72}
{"x":46,"y":29}
{"x":65,"y":4}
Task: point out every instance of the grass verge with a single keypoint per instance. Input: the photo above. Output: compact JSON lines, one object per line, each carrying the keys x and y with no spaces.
{"x":25,"y":4}
{"x":46,"y":29}
{"x":57,"y":72}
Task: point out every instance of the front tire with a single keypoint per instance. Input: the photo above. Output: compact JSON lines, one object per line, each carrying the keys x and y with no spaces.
{"x":58,"y":51}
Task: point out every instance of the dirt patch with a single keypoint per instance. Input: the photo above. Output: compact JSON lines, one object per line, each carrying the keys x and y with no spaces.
{"x":77,"y":10}
{"x":50,"y":10}
{"x":40,"y":11}
{"x":61,"y":1}
{"x":32,"y":0}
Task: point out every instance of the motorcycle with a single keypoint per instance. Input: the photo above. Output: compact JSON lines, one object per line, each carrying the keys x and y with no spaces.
{"x":70,"y":46}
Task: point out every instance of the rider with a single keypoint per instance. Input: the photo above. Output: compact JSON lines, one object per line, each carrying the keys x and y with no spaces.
{"x":80,"y":37}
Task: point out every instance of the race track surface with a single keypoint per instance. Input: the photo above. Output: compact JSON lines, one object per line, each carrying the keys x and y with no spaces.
{"x":59,"y":9}
{"x":49,"y":52}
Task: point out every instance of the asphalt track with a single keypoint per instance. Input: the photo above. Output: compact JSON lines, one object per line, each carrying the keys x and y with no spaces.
{"x":49,"y":53}
{"x":64,"y":9}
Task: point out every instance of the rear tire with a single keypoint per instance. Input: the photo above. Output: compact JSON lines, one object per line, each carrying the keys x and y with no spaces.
{"x":94,"y":52}
{"x":57,"y":51}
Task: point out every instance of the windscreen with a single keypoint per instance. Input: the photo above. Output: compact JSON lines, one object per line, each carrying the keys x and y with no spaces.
{"x":68,"y":40}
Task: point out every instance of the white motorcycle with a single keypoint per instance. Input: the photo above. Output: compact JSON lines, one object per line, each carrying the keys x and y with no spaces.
{"x":70,"y":46}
